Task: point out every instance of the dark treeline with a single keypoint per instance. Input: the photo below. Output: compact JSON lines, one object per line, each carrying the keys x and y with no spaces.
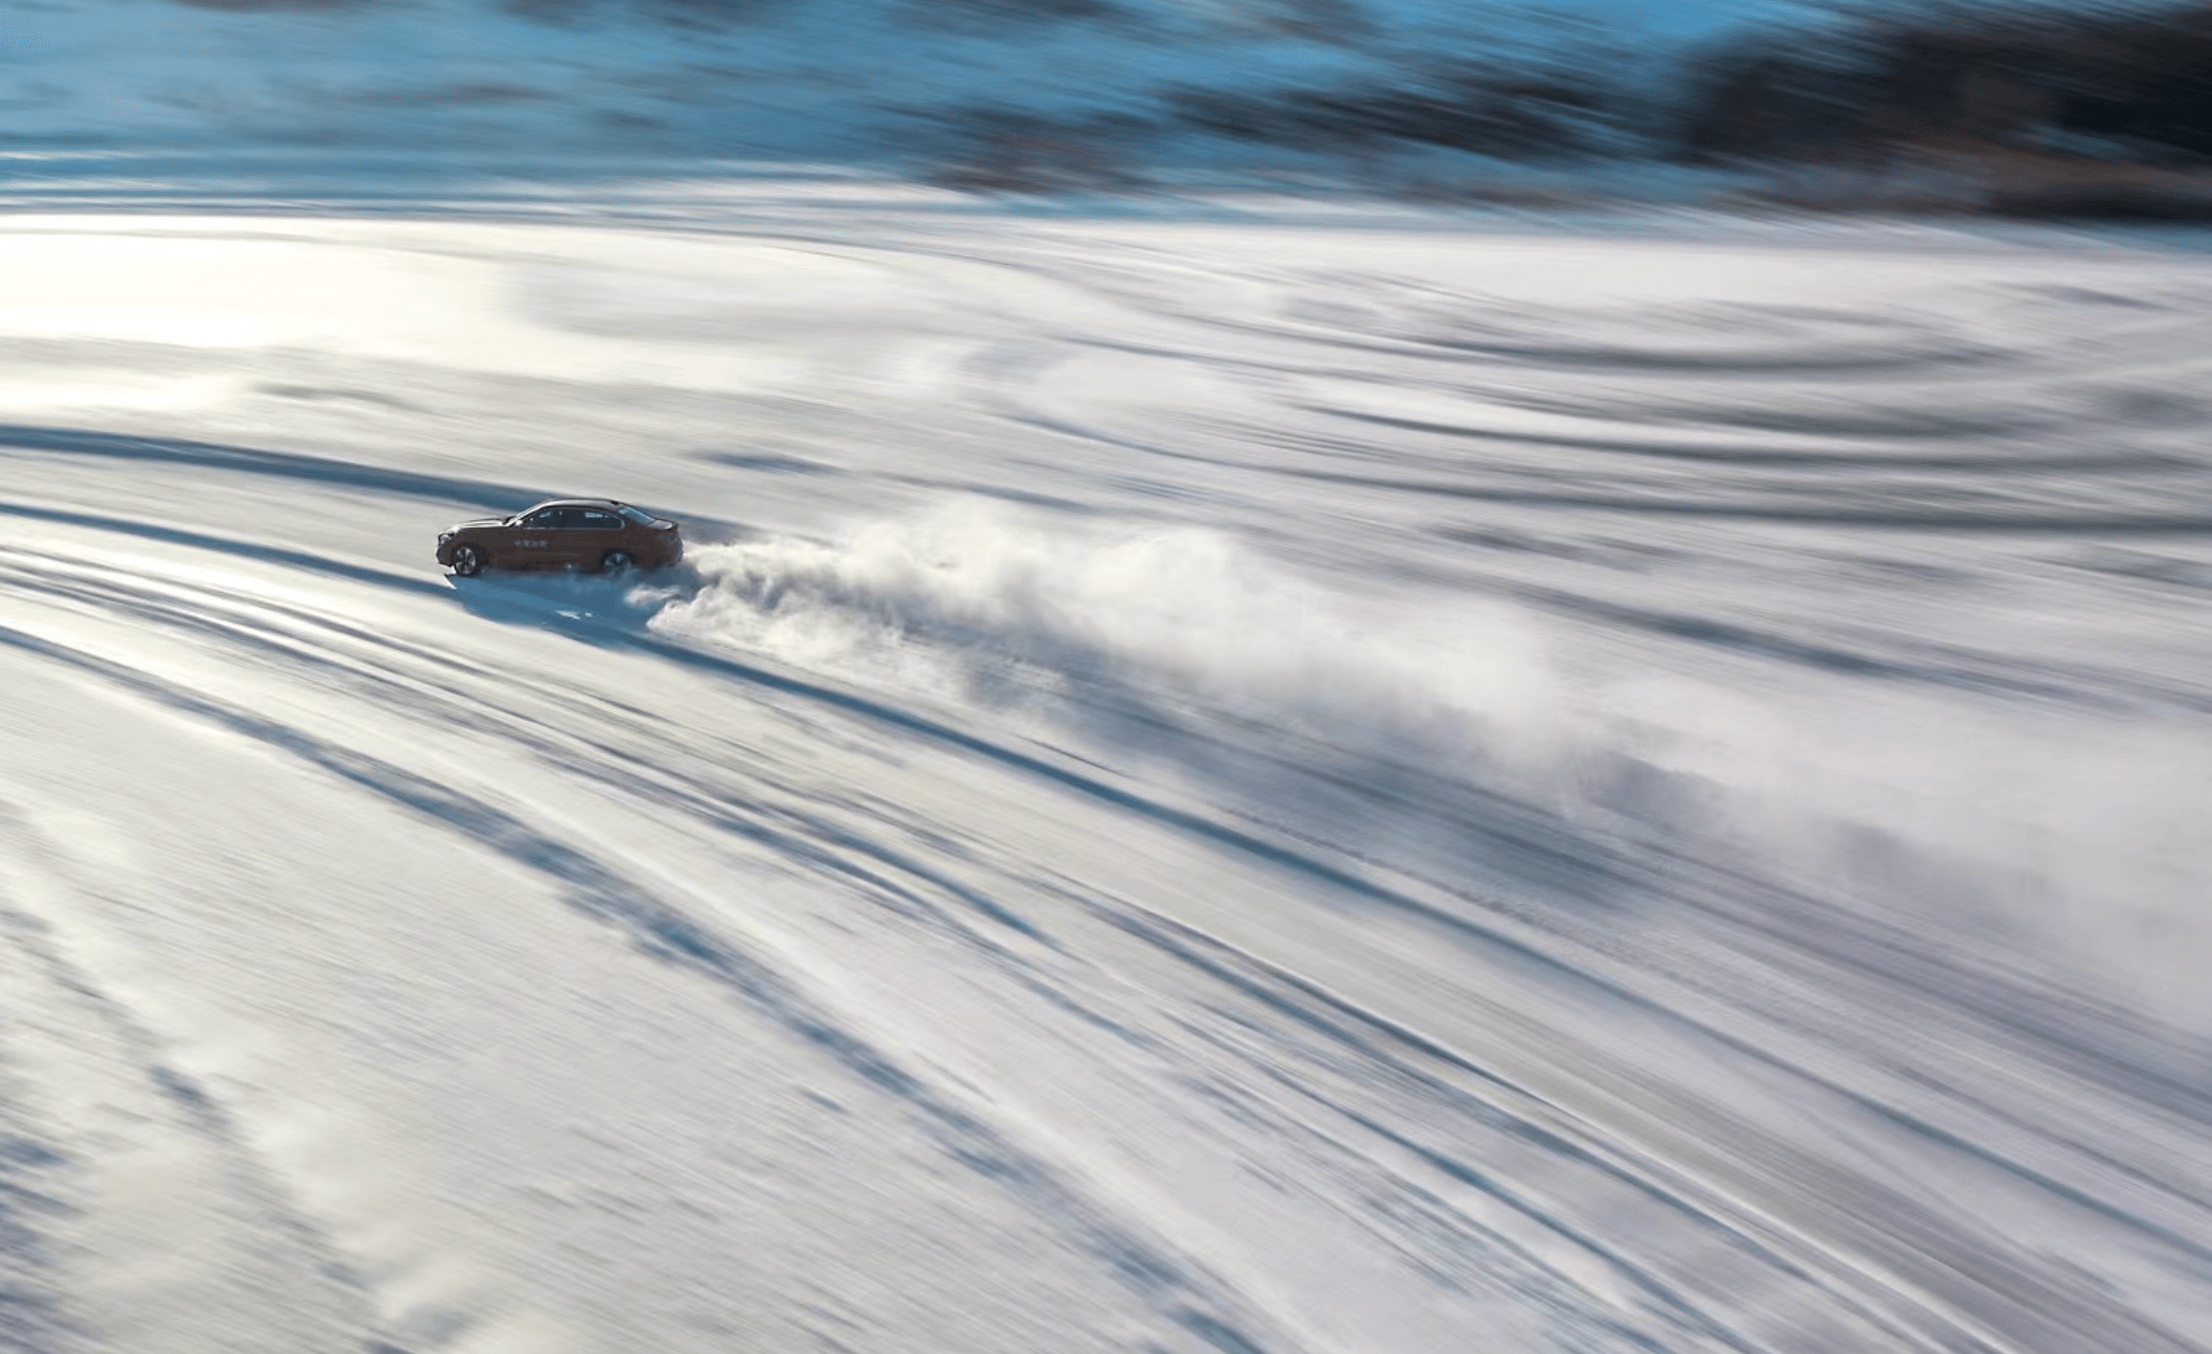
{"x":2083,"y":111}
{"x":2128,"y":84}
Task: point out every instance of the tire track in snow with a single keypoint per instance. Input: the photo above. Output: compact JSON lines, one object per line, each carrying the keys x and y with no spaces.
{"x":153,"y":1164}
{"x":1851,"y":478}
{"x":1993,"y":1285}
{"x":606,"y":896}
{"x":1443,"y":1107}
{"x":33,"y":1319}
{"x":624,"y":909}
{"x":609,"y":899}
{"x":1173,"y":1286}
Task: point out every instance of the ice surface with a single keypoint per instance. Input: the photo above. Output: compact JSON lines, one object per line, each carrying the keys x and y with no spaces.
{"x":1235,"y":782}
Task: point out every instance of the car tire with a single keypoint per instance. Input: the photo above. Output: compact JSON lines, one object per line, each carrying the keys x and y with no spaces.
{"x":468,"y":561}
{"x":615,"y":562}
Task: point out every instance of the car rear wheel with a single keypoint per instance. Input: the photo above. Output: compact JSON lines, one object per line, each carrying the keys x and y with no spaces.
{"x":468,"y":561}
{"x":615,"y":562}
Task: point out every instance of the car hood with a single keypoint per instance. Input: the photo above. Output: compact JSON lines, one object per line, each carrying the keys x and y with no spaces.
{"x":475,"y":522}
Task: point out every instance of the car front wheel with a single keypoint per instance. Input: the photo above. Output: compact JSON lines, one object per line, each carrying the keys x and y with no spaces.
{"x":468,"y":561}
{"x":615,"y":562}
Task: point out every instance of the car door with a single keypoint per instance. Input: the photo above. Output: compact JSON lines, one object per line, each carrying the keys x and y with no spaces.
{"x":541,"y":540}
{"x":596,"y":533}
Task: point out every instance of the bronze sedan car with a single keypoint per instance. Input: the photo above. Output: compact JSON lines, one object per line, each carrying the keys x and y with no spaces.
{"x":593,"y":534}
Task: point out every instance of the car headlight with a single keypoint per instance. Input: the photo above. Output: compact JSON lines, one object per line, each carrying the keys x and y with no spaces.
{"x":444,"y":536}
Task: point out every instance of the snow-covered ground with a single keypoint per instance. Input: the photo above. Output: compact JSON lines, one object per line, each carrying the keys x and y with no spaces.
{"x":1238,"y":784}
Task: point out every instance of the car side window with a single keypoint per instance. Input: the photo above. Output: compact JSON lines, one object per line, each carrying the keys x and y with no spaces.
{"x":600,"y":521}
{"x":541,"y":520}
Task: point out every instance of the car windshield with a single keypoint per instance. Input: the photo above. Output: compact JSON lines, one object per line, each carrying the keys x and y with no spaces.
{"x":638,"y":515}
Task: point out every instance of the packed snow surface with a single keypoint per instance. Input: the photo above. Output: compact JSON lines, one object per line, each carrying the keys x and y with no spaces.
{"x":1252,"y":783}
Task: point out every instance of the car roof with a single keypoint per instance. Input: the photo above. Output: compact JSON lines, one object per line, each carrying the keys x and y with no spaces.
{"x":575,"y":503}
